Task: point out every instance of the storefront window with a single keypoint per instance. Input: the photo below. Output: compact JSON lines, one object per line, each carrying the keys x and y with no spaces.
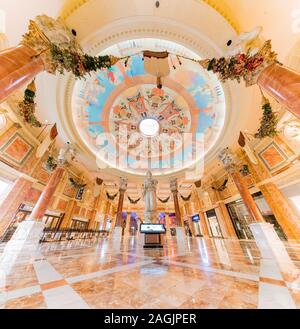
{"x":214,"y":224}
{"x":241,"y":219}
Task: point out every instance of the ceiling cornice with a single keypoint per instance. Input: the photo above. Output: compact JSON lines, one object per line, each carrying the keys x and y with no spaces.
{"x":218,"y":5}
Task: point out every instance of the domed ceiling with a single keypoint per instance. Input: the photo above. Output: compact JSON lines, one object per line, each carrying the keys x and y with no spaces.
{"x":132,"y":125}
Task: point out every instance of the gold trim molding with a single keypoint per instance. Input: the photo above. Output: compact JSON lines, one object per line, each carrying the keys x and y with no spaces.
{"x":217,"y":5}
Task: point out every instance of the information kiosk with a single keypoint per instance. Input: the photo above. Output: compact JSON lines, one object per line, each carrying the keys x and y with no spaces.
{"x":153,"y":234}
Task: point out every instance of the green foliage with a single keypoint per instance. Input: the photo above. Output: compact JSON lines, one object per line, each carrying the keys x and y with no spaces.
{"x":27,"y":108}
{"x":77,"y":63}
{"x":268,"y":123}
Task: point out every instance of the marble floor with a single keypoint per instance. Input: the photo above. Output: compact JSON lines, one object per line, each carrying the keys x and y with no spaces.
{"x":198,"y":273}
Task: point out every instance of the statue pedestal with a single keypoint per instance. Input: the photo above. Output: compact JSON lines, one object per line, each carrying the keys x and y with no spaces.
{"x":153,"y":241}
{"x":23,"y":244}
{"x":273,"y":249}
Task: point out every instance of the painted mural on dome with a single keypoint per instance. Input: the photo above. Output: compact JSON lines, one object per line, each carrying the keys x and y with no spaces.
{"x":114,"y":102}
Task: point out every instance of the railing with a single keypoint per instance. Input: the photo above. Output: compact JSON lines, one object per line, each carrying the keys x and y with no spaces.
{"x":52,"y":235}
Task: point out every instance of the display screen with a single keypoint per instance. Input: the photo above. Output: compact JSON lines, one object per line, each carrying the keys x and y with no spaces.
{"x":152,"y":228}
{"x":195,"y":218}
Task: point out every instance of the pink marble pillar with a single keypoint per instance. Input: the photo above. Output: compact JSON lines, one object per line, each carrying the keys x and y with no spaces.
{"x":249,"y":202}
{"x":283,"y":84}
{"x":43,"y":203}
{"x":17,"y":67}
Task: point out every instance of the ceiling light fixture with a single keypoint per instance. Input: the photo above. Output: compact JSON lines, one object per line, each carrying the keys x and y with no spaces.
{"x":149,"y":127}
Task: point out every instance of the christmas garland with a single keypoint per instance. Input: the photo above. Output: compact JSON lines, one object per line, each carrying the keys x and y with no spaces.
{"x":27,"y":106}
{"x":241,"y":66}
{"x":80,"y":64}
{"x":111,"y":197}
{"x":133,"y":201}
{"x":186,"y":198}
{"x":164,"y":200}
{"x":222,"y":187}
{"x":268,"y":121}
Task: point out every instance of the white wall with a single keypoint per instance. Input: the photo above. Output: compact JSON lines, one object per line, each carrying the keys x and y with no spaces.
{"x":292,"y":192}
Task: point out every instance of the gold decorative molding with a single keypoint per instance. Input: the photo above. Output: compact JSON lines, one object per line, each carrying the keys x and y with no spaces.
{"x":217,"y":5}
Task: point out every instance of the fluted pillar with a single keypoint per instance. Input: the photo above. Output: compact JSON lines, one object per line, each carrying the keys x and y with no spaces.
{"x":66,"y":222}
{"x":12,"y":201}
{"x":174,"y":190}
{"x":106,"y":212}
{"x":18,"y":66}
{"x":122,"y":190}
{"x":41,"y":206}
{"x":230,"y":165}
{"x":282,"y":210}
{"x":283,"y":84}
{"x":271,"y":247}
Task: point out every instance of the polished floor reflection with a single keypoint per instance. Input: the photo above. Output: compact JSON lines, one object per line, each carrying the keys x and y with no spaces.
{"x":196,"y":273}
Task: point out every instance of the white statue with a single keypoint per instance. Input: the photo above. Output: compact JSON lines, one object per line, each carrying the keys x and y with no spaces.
{"x":150,"y":198}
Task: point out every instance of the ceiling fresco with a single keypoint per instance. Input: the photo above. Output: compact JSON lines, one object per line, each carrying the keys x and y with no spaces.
{"x":109,"y":106}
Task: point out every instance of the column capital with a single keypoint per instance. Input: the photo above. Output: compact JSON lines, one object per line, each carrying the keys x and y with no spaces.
{"x":123,"y":184}
{"x":174,"y":185}
{"x":228,"y":159}
{"x":66,"y":155}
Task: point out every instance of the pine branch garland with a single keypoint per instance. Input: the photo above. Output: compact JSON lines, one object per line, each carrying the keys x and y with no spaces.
{"x":27,"y":106}
{"x":268,"y":122}
{"x":78,"y":63}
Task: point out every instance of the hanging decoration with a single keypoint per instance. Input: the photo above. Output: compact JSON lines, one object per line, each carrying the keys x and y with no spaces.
{"x":242,"y":66}
{"x":157,"y":64}
{"x":97,"y":187}
{"x":76,"y":184}
{"x":245,"y":170}
{"x":268,"y":121}
{"x":222,"y":187}
{"x":111,"y":197}
{"x":27,"y":106}
{"x":51,"y":164}
{"x":133,"y":201}
{"x":187,"y":198}
{"x":246,"y":147}
{"x":198,"y":183}
{"x":166,"y":200}
{"x":56,"y":44}
{"x":48,"y":140}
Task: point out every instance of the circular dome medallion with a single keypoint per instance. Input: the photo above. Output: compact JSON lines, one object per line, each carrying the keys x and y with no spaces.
{"x":112,"y":109}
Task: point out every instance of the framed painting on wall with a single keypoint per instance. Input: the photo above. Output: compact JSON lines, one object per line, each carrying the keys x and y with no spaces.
{"x":16,"y":150}
{"x":272,"y":156}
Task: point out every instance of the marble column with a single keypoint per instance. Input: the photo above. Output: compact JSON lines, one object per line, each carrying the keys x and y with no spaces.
{"x":93,"y":218}
{"x":283,"y":84}
{"x":189,"y":213}
{"x":122,"y":190}
{"x":180,"y":231}
{"x":285,"y":215}
{"x":106,"y":212}
{"x":66,"y":222}
{"x":174,"y":190}
{"x":116,"y":229}
{"x":282,"y":210}
{"x":271,"y":247}
{"x":25,"y":240}
{"x":41,"y":206}
{"x":18,"y":66}
{"x":203,"y":224}
{"x":225,"y":217}
{"x":12,"y":201}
